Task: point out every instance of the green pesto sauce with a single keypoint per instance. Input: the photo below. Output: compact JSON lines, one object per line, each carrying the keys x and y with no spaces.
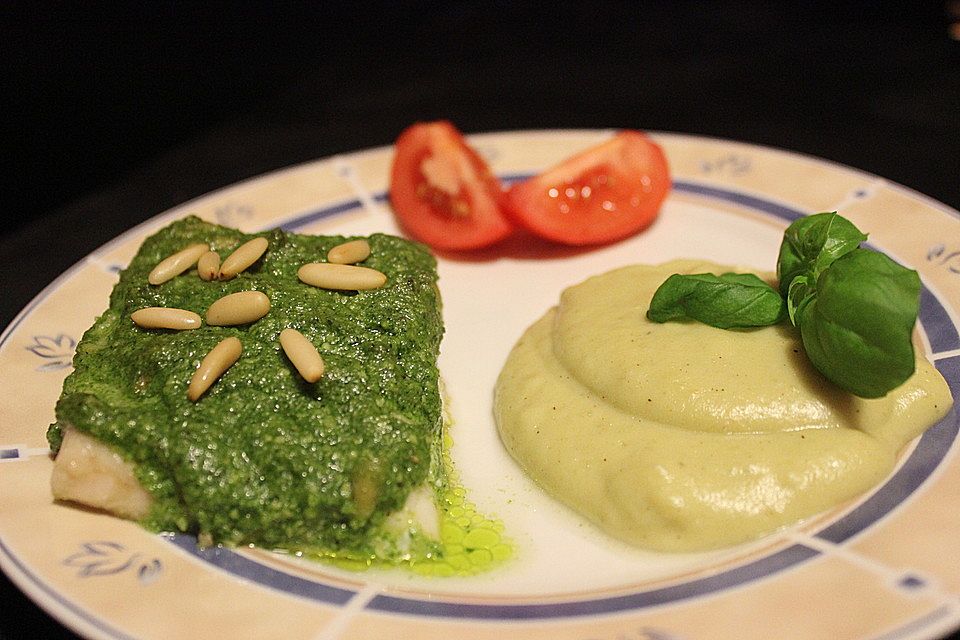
{"x":264,"y":457}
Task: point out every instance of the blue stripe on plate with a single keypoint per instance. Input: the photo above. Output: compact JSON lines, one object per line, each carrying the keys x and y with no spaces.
{"x":940,"y":330}
{"x":327,"y":212}
{"x":742,"y":199}
{"x":752,"y":202}
{"x":239,"y":565}
{"x":756,"y":570}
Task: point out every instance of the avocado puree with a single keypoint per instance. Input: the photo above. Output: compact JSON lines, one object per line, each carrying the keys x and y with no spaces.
{"x":683,"y":437}
{"x":264,"y":457}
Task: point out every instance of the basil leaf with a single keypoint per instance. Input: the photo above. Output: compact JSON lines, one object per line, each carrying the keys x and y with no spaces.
{"x":856,"y":328}
{"x":812,"y":243}
{"x":727,"y":301}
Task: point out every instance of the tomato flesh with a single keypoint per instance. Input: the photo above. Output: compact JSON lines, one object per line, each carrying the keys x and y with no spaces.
{"x":603,"y":194}
{"x":442,"y":191}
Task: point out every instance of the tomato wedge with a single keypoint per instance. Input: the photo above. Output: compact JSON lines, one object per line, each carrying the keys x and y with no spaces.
{"x":443,"y":192}
{"x":605,"y":193}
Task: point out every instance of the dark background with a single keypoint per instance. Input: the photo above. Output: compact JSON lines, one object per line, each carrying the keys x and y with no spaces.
{"x":115,"y":113}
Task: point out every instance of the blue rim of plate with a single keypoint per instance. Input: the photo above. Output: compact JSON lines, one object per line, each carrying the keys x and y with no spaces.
{"x":929,"y":451}
{"x":926,"y":456}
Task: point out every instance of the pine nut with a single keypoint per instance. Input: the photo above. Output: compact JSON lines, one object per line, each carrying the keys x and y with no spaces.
{"x":166,"y":318}
{"x":213,"y":365}
{"x":349,"y":252}
{"x":242,"y":257}
{"x":302,"y":354}
{"x":172,"y":266}
{"x":342,"y":277}
{"x":208,"y":266}
{"x":243,"y":307}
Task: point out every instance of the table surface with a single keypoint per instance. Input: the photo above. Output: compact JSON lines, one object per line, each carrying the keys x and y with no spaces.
{"x":120,"y":116}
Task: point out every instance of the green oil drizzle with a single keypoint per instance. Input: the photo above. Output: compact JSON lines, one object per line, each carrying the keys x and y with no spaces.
{"x":469,"y":543}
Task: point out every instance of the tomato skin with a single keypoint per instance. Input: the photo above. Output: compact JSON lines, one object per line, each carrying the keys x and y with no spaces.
{"x":442,"y":191}
{"x":603,"y":194}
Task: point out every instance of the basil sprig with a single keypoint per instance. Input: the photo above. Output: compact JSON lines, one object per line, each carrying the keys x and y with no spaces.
{"x":855,"y":308}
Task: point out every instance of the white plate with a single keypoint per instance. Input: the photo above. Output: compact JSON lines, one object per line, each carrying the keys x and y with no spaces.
{"x":883,"y":567}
